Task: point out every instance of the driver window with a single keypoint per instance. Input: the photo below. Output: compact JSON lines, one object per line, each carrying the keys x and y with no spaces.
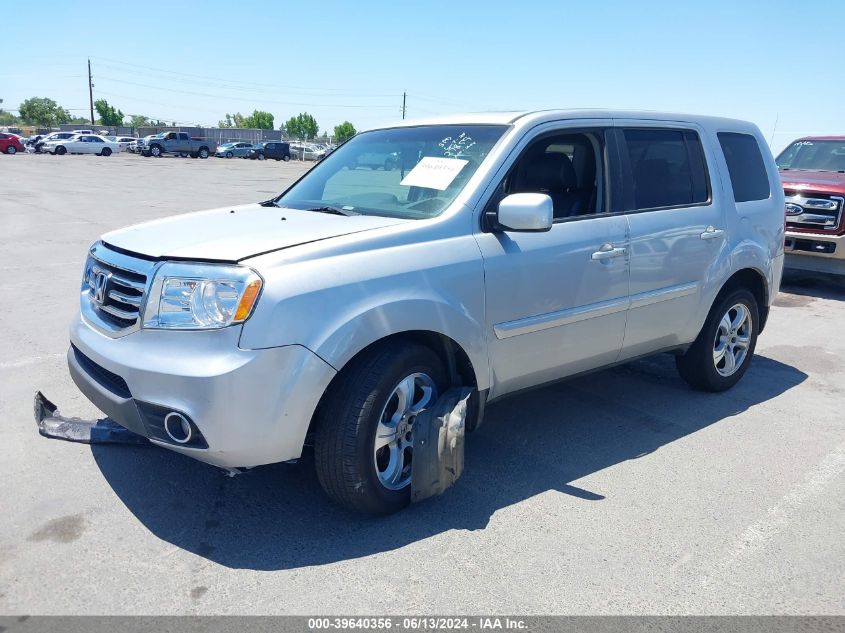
{"x":567,"y":167}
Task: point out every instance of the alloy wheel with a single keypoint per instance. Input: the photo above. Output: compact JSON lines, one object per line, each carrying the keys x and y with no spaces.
{"x":394,"y":439}
{"x":733,"y":338}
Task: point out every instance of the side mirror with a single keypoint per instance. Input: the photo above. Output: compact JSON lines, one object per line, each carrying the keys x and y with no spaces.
{"x":525,"y":212}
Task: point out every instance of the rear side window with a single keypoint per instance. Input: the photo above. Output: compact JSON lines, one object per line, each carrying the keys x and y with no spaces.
{"x":667,"y":167}
{"x":745,"y":166}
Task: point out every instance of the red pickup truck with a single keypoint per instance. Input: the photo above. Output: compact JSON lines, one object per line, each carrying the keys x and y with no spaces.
{"x":812,"y":170}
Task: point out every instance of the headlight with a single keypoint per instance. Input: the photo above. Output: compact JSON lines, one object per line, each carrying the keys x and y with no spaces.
{"x":201,"y":296}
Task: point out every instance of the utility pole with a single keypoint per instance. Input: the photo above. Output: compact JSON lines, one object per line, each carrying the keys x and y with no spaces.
{"x":404,"y":96}
{"x":90,"y":91}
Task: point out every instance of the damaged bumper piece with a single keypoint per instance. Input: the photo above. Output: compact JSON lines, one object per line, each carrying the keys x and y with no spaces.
{"x":102,"y":431}
{"x":439,"y":444}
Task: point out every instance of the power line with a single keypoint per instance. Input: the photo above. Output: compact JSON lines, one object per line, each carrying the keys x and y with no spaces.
{"x":244,"y":83}
{"x":247,"y":87}
{"x":252,"y":99}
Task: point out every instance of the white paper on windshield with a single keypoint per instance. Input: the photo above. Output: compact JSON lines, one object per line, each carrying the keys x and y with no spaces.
{"x":434,"y":173}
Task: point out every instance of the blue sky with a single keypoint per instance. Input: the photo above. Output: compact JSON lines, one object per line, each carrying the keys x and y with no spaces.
{"x":193,"y":61}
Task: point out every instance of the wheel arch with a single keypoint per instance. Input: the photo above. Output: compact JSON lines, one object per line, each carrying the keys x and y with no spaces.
{"x":754,"y":280}
{"x":455,"y":360}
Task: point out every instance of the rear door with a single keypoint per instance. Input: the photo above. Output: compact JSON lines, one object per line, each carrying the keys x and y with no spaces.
{"x":556,"y":301}
{"x":677,"y":230}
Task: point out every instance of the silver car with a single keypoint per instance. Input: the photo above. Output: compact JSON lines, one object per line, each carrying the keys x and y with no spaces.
{"x":503,"y":252}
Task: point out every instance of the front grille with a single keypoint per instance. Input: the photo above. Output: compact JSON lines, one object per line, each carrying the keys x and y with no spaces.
{"x":116,"y":294}
{"x":113,"y":290}
{"x":103,"y":376}
{"x":813,"y":211}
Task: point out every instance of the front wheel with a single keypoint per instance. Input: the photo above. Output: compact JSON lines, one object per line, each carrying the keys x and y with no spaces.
{"x":260,"y":157}
{"x":286,"y":158}
{"x":364,"y":443}
{"x":11,"y":149}
{"x":229,"y":154}
{"x":106,"y":152}
{"x":203,"y":153}
{"x":61,"y":150}
{"x":155,"y":151}
{"x":721,"y":354}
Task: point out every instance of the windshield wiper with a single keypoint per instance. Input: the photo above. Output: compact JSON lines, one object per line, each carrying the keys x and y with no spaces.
{"x":334,"y":211}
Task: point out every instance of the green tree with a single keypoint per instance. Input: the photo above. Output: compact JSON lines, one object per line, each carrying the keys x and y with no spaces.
{"x":80,"y":120}
{"x":108,"y":114}
{"x":232,"y":120}
{"x":138,"y":120}
{"x":42,"y":111}
{"x":344,"y":132}
{"x":260,"y":120}
{"x":7,"y":118}
{"x":302,"y":126}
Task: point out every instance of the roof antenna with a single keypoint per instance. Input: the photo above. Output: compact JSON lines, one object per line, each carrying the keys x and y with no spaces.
{"x":774,"y":127}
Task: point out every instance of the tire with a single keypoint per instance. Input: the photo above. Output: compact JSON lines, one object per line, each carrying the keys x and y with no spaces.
{"x":203,"y":153}
{"x":106,"y":152}
{"x":61,"y":150}
{"x":155,"y":150}
{"x":726,"y":334}
{"x":351,"y":470}
{"x":286,"y":158}
{"x":229,"y":154}
{"x":11,"y":149}
{"x":260,"y":157}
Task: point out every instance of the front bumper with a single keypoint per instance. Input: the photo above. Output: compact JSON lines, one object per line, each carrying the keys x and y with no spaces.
{"x":252,"y":407}
{"x":815,"y":252}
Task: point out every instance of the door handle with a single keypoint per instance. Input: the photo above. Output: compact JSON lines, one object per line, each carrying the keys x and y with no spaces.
{"x":711,"y":233}
{"x":607,"y":251}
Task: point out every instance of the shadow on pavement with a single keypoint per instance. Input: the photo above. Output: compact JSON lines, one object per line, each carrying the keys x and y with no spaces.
{"x":810,"y":284}
{"x":276,"y":517}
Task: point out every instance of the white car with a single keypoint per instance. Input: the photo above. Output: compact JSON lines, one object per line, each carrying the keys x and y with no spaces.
{"x":123,"y":141}
{"x":83,"y":144}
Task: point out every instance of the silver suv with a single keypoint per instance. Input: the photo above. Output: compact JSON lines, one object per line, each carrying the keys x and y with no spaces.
{"x":502,"y":252}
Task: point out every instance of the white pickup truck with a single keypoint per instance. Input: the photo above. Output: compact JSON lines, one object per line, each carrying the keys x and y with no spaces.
{"x":502,"y":251}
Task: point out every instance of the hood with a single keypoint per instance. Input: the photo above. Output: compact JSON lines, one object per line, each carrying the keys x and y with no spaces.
{"x":832,"y":182}
{"x":235,"y":233}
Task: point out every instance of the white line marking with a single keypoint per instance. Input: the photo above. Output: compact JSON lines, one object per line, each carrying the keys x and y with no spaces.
{"x":25,"y":362}
{"x":779,"y":516}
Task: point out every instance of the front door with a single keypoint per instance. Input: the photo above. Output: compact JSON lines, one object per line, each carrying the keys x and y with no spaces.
{"x":556,"y":301}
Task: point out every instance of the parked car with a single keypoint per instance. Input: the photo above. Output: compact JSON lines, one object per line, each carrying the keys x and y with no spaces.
{"x":175,"y":143}
{"x":54,"y":136}
{"x":82,"y":144}
{"x":517,"y":250}
{"x":133,"y":146}
{"x":306,"y":152}
{"x":277,"y":150}
{"x":10,"y":143}
{"x":239,"y":149}
{"x":386,"y":160}
{"x":812,"y":170}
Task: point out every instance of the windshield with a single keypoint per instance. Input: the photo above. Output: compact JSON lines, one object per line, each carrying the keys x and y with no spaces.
{"x":814,"y":155}
{"x":413,"y":172}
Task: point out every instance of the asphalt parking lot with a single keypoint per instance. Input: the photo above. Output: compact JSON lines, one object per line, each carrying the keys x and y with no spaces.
{"x":621,"y":492}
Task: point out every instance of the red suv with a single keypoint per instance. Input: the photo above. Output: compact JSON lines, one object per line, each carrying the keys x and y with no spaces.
{"x":10,"y":143}
{"x":812,"y":170}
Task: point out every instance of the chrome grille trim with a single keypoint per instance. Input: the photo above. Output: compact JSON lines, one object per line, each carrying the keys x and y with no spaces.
{"x":821,"y":212}
{"x":124,"y":290}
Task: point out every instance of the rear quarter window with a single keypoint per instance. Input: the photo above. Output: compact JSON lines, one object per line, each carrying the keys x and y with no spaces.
{"x":745,"y":166}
